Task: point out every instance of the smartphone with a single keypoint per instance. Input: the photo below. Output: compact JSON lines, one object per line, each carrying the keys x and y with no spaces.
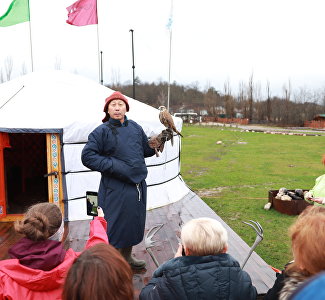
{"x":92,"y":203}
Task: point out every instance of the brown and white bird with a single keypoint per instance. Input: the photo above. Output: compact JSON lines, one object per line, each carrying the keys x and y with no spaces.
{"x":167,"y":120}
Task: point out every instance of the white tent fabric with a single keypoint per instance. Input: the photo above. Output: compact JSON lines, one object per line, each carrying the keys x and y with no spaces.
{"x":72,"y":105}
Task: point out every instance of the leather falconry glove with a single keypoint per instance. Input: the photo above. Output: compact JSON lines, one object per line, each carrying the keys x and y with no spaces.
{"x":157,"y":142}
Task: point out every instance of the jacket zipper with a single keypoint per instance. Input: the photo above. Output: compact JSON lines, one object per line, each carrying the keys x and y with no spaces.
{"x":139,"y":193}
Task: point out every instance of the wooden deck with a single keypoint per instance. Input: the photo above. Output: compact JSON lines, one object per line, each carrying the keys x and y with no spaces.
{"x":172,"y":217}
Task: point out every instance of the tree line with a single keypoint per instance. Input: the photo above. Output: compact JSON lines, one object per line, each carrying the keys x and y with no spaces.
{"x":292,"y":108}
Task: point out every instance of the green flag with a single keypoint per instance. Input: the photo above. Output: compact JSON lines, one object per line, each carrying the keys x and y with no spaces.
{"x":18,"y":12}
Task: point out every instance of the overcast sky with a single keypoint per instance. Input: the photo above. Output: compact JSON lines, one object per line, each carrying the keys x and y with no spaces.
{"x":213,"y":41}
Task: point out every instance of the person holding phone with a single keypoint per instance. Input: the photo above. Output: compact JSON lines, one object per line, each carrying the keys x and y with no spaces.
{"x":117,"y":149}
{"x":204,"y":270}
{"x":39,"y":262}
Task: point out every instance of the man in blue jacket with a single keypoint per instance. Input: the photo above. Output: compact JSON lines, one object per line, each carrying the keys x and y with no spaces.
{"x":206,"y":272}
{"x":117,"y":149}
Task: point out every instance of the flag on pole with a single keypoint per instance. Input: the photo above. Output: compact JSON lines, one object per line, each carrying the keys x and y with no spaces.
{"x":18,"y":12}
{"x":170,"y":19}
{"x":170,"y":22}
{"x":82,"y":12}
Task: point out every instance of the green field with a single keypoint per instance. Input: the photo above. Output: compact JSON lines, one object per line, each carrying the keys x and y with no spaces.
{"x":234,"y":178}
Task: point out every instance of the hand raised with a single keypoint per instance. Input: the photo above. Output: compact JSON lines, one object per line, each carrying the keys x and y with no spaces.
{"x":100,"y":212}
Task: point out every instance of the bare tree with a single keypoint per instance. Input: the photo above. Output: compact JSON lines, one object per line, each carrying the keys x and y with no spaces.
{"x":229,"y":105}
{"x":116,"y":77}
{"x":210,"y":101}
{"x":23,"y":69}
{"x":162,"y":98}
{"x":1,"y":76}
{"x":268,"y":102}
{"x":260,"y":109}
{"x":57,"y":63}
{"x":242,"y":103}
{"x":8,"y":67}
{"x":286,"y":98}
{"x":250,"y":97}
{"x":322,"y":97}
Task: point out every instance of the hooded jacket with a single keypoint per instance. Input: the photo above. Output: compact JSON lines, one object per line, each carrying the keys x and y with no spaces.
{"x":18,"y":281}
{"x":209,"y":277}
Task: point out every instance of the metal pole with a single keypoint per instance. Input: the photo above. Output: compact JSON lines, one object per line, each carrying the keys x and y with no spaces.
{"x":101,"y":68}
{"x":30,"y":39}
{"x":170,"y":59}
{"x":99,"y":54}
{"x":133,"y":67}
{"x":169,"y":26}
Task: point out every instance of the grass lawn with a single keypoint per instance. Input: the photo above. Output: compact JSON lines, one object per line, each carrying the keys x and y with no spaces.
{"x":234,"y":178}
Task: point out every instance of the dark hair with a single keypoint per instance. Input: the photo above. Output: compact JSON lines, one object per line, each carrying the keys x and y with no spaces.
{"x":40,"y":221}
{"x":99,"y":273}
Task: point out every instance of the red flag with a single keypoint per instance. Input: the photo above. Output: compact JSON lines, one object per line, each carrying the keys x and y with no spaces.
{"x":82,"y":12}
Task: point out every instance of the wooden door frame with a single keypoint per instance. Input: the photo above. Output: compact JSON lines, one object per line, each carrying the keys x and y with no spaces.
{"x":54,"y":166}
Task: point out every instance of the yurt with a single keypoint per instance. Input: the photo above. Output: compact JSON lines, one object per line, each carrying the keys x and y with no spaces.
{"x":45,"y":120}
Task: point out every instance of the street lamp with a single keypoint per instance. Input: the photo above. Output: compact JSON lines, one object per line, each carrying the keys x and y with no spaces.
{"x":133,"y":67}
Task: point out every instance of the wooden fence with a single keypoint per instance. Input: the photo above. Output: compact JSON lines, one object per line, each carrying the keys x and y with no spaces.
{"x":315,"y":124}
{"x":226,"y":120}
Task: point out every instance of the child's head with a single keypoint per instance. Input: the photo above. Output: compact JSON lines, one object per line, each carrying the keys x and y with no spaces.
{"x":40,"y":222}
{"x":99,"y":273}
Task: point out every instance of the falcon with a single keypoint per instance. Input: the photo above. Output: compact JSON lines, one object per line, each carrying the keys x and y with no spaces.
{"x":167,"y":120}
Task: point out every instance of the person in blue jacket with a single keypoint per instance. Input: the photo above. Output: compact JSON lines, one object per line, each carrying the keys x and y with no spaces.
{"x":117,"y":149}
{"x":206,"y":272}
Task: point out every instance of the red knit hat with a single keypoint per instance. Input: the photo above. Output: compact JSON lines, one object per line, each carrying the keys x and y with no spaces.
{"x":114,"y":96}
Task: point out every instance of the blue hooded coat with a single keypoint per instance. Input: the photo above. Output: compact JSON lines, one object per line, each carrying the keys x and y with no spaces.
{"x":118,"y":151}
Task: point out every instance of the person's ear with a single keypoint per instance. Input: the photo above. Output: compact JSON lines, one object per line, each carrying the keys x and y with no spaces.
{"x":187,"y":251}
{"x":225,"y":249}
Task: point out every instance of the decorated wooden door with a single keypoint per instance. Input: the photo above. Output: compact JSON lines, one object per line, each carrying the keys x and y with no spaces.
{"x":54,"y":169}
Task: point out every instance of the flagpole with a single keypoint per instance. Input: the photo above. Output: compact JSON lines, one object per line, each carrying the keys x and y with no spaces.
{"x":170,"y":59}
{"x":170,"y":51}
{"x":99,"y":59}
{"x":100,"y":53}
{"x":133,"y":66}
{"x":30,"y":39}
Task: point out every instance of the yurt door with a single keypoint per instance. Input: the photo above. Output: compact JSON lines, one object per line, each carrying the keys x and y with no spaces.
{"x":30,"y":172}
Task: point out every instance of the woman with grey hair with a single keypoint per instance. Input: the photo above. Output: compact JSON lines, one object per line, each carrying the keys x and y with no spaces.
{"x":205,"y":272}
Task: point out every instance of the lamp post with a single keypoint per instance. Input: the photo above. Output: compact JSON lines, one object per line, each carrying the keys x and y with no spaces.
{"x":133,"y":67}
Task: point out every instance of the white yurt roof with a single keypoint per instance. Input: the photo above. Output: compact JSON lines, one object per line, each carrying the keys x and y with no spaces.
{"x":58,"y":101}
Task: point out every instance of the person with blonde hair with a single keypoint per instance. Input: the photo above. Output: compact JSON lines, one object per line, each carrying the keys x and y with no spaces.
{"x":39,"y":263}
{"x":292,"y":274}
{"x":205,"y":272}
{"x":307,"y":244}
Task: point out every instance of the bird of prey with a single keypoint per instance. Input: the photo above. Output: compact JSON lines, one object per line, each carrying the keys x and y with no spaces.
{"x":167,"y":120}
